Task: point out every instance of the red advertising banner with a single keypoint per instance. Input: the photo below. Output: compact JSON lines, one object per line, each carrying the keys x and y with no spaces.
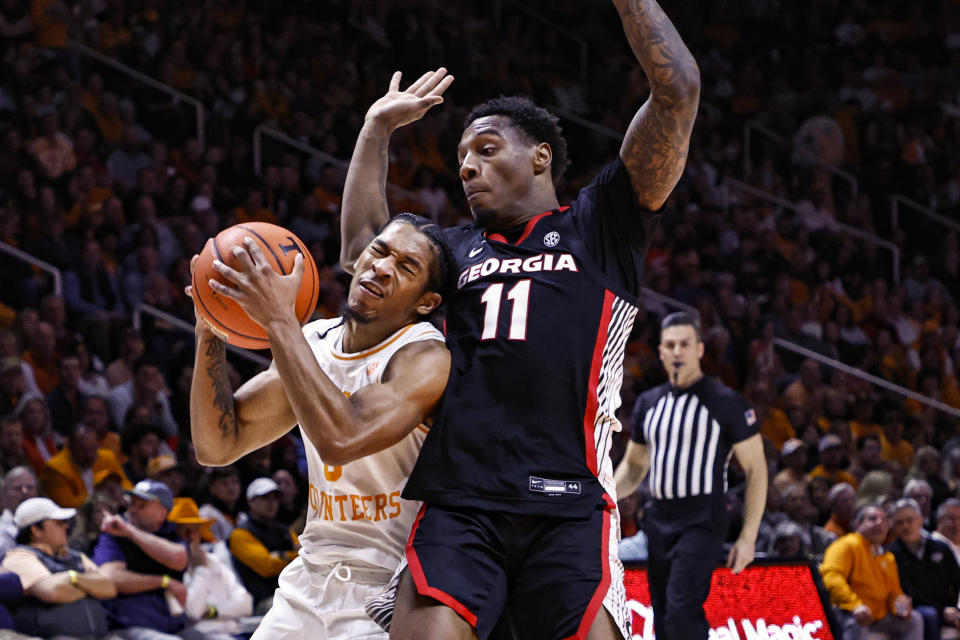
{"x":763,"y":602}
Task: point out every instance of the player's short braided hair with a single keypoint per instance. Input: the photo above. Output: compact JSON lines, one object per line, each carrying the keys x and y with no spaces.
{"x":535,"y":123}
{"x":443,"y":268}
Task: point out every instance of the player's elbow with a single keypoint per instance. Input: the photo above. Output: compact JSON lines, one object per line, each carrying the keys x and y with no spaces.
{"x":211,"y":456}
{"x":337,"y":454}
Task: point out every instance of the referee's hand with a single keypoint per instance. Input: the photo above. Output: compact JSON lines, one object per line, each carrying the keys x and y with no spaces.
{"x":740,"y":555}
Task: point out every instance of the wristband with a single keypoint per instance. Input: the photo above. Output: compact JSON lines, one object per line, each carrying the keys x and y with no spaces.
{"x":74,"y":578}
{"x":164,"y":581}
{"x":211,"y":611}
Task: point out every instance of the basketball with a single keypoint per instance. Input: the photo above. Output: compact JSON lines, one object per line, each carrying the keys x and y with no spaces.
{"x":224,"y":316}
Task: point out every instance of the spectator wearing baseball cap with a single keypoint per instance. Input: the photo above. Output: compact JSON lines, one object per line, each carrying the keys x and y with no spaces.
{"x":62,"y":586}
{"x":164,"y":468}
{"x":216,"y":599}
{"x":146,"y":558}
{"x":793,"y":459}
{"x":70,"y":476}
{"x":261,"y":547}
{"x":830,"y":448}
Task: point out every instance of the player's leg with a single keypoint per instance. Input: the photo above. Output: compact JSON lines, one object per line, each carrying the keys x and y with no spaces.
{"x":416,"y":617}
{"x":456,"y":585}
{"x":568,"y":583}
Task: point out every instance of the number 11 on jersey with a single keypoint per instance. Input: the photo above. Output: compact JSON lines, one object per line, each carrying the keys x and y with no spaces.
{"x":519,"y":295}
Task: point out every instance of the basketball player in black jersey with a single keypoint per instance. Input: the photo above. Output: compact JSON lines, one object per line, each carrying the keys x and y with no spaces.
{"x":519,"y":501}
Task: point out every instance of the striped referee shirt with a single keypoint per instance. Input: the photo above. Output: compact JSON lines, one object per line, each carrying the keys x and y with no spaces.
{"x":691,"y":436}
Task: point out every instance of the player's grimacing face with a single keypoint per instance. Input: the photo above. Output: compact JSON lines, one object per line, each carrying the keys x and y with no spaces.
{"x":496,"y":169}
{"x":391,"y":275}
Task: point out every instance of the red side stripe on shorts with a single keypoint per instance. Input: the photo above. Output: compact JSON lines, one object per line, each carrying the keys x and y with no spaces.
{"x":596,"y":602}
{"x":593,"y":404}
{"x":420,"y":580}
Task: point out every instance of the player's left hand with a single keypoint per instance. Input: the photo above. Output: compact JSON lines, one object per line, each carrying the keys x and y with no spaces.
{"x":740,"y":555}
{"x":263,"y":293}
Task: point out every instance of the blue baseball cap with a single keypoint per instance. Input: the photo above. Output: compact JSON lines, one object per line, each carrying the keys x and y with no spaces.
{"x":153,"y":490}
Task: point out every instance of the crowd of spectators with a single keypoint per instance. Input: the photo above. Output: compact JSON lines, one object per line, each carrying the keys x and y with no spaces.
{"x":107,"y":180}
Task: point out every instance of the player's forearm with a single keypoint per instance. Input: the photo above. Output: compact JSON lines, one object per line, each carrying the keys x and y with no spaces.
{"x":325,"y":414}
{"x":213,"y":418}
{"x":667,"y":62}
{"x":364,"y":207}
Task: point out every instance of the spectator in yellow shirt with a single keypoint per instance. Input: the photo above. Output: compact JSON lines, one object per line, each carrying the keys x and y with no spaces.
{"x":864,"y":585}
{"x":892,"y":445}
{"x":831,"y":455}
{"x":70,"y":476}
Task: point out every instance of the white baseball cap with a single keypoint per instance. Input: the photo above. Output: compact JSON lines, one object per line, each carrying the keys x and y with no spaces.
{"x":37,"y":510}
{"x":261,"y":487}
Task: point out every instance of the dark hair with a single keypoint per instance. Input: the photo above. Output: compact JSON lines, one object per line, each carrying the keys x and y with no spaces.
{"x":229,"y":471}
{"x":146,"y":361}
{"x":535,"y":123}
{"x":443,"y":267}
{"x":862,"y":440}
{"x":681,"y":319}
{"x":25,"y":535}
{"x":134,"y":433}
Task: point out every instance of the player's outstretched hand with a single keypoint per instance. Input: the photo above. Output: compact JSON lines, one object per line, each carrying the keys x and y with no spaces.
{"x":398,"y":108}
{"x":263,"y":293}
{"x":740,"y":555}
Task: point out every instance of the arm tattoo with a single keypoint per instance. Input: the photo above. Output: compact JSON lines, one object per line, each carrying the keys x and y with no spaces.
{"x":222,"y":394}
{"x":655,"y":148}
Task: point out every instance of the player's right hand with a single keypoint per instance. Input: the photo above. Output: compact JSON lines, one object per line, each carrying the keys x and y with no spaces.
{"x":398,"y":108}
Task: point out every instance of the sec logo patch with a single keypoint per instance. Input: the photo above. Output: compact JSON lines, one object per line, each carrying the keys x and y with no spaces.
{"x":552,"y":239}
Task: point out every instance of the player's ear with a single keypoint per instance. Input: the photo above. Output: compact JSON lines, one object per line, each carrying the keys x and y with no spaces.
{"x":542,"y":158}
{"x":428,"y":302}
{"x":701,"y":348}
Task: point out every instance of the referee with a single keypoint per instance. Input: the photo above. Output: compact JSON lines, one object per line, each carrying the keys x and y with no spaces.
{"x":684,"y":432}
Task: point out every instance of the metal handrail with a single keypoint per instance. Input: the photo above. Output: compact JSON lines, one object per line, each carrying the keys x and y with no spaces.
{"x":897,"y":198}
{"x":264,"y":130}
{"x":782,"y":140}
{"x":38,"y":263}
{"x":178,"y":96}
{"x":186,"y":327}
{"x":872,"y":379}
{"x":833,"y":224}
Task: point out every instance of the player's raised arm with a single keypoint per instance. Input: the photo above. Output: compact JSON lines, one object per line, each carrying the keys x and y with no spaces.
{"x":655,"y":146}
{"x":364,"y":208}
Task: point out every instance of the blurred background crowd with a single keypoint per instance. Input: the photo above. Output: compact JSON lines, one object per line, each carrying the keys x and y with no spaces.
{"x":783,"y":234}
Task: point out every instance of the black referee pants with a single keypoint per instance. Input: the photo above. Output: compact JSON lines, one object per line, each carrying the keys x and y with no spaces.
{"x":686,"y":538}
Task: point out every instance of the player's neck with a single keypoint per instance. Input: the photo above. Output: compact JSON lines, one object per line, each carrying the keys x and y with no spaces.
{"x":523,"y":211}
{"x":359,"y":336}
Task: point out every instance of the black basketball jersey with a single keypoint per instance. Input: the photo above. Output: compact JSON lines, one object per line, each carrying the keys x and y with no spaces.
{"x":537,"y":330}
{"x":691,"y":433}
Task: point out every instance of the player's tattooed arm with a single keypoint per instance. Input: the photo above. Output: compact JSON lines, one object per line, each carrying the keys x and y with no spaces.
{"x":226,"y":425}
{"x":222,"y":393}
{"x":655,"y":146}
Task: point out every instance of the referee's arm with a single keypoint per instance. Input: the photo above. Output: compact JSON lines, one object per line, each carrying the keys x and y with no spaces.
{"x":632,"y":469}
{"x":749,"y":454}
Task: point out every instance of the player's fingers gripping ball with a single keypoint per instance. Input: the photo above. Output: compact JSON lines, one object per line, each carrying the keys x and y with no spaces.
{"x":225,"y":317}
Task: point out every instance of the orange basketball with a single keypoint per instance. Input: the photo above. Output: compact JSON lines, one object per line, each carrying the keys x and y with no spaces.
{"x":224,"y":316}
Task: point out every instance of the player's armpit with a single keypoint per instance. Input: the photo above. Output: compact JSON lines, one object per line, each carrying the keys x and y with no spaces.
{"x":384,"y":413}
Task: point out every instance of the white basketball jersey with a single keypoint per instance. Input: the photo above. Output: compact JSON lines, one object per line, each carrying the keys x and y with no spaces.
{"x":355,"y":512}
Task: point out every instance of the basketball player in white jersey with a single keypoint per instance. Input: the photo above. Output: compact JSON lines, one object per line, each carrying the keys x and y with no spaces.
{"x":360,"y":387}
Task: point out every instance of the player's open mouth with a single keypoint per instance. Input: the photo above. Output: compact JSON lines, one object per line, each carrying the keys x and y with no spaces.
{"x":371,"y":288}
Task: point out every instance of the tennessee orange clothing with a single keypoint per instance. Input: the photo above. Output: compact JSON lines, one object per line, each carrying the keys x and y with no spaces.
{"x":854,"y":576}
{"x":62,"y":481}
{"x":47,"y":378}
{"x":32,"y":451}
{"x":859,"y":429}
{"x":776,"y":428}
{"x":251,"y":552}
{"x":834,"y":527}
{"x":902,"y":453}
{"x":834,"y":476}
